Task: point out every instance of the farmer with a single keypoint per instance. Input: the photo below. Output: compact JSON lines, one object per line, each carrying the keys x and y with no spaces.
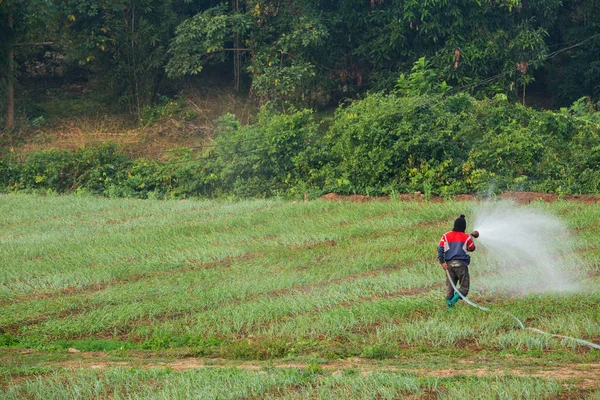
{"x":452,"y":253}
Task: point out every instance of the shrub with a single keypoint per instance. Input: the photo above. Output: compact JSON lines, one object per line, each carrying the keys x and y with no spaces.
{"x":456,"y":144}
{"x":411,"y":142}
{"x":418,"y":138}
{"x":262,"y":159}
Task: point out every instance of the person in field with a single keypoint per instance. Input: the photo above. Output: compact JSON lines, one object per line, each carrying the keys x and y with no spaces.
{"x":453,"y":256}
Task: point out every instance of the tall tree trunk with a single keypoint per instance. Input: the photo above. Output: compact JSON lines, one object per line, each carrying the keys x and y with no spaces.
{"x":10,"y":104}
{"x":236,"y":53}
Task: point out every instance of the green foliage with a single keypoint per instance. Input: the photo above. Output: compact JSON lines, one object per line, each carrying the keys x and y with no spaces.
{"x":383,"y":144}
{"x":266,"y":158}
{"x":284,"y":71}
{"x":61,"y":171}
{"x":165,"y":108}
{"x":411,"y":143}
{"x":7,"y":340}
{"x":312,"y":53}
{"x":201,"y":39}
{"x":422,"y":80}
{"x":417,"y":138}
{"x":277,"y":45}
{"x":124,"y":42}
{"x":495,"y":61}
{"x":529,"y":150}
{"x":282,"y":83}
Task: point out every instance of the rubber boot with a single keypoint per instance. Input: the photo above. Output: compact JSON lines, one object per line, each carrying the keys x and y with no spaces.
{"x":455,"y":299}
{"x":449,"y":303}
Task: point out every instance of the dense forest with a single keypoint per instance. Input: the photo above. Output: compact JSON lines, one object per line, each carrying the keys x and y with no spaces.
{"x":442,"y":96}
{"x":307,"y":52}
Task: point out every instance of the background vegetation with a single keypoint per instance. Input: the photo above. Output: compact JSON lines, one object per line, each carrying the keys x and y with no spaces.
{"x":371,"y":97}
{"x":418,"y":137}
{"x":310,"y":52}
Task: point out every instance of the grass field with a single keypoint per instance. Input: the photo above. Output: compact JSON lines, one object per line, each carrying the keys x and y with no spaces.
{"x":107,"y":298}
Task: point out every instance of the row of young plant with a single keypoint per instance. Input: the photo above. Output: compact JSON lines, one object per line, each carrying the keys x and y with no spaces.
{"x":311,"y":382}
{"x":267,"y":270}
{"x":418,"y":138}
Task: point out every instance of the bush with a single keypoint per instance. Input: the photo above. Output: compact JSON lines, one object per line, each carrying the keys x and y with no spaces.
{"x":263,"y":159}
{"x":63,"y":171}
{"x":416,"y":139}
{"x":411,"y":142}
{"x":448,"y":145}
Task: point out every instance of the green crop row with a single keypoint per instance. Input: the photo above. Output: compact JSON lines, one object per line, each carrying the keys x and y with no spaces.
{"x":263,"y":279}
{"x":274,"y":383}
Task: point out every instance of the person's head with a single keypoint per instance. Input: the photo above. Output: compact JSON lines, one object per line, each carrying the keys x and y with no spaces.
{"x":460,"y":224}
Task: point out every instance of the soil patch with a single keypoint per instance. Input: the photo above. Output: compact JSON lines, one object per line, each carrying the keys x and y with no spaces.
{"x":528,"y":197}
{"x":587,"y":376}
{"x":518,"y":197}
{"x":355,"y":198}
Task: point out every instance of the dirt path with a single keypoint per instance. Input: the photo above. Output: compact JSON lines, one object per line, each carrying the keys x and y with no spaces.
{"x":584,"y":375}
{"x":518,"y":197}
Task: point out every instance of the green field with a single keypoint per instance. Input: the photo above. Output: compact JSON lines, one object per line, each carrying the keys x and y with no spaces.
{"x":106,"y":298}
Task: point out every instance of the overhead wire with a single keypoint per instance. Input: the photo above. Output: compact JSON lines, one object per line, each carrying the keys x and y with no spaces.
{"x":564,"y":43}
{"x":530,"y":62}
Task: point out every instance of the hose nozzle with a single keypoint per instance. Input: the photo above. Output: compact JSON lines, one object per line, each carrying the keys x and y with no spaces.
{"x":475,"y":234}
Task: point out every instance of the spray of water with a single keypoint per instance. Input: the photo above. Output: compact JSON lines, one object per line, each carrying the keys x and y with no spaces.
{"x":528,"y":250}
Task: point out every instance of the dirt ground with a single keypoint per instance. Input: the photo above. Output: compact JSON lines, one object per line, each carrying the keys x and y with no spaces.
{"x":585,"y":375}
{"x":518,"y":197}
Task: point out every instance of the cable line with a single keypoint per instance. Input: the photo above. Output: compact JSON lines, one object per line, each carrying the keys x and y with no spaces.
{"x":531,"y":62}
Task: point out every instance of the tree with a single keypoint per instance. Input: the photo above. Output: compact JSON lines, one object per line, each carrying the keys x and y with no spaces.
{"x":575,"y":73}
{"x":124,"y":42}
{"x":277,"y":40}
{"x":303,"y":49}
{"x":314,"y":52}
{"x":10,"y":55}
{"x":28,"y":23}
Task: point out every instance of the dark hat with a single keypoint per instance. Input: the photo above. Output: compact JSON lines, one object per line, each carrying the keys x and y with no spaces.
{"x":460,"y":224}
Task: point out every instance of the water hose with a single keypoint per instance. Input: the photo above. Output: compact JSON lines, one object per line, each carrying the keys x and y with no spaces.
{"x":469,"y":302}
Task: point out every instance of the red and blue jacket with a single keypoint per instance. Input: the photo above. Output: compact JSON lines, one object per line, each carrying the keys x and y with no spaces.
{"x":454,"y":246}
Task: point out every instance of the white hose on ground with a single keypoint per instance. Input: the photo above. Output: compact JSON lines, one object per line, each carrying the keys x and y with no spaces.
{"x":469,"y":302}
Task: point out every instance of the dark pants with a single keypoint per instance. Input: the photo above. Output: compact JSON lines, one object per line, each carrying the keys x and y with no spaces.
{"x":459,"y":273}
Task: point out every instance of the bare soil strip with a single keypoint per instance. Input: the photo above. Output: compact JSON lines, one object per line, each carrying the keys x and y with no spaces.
{"x":584,"y":375}
{"x":519,"y":197}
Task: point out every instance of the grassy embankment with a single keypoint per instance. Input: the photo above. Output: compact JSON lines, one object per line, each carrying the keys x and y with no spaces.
{"x":146,"y":284}
{"x":74,"y":116}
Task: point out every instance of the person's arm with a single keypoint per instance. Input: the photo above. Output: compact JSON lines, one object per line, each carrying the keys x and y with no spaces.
{"x":441,"y":250}
{"x":470,"y":244}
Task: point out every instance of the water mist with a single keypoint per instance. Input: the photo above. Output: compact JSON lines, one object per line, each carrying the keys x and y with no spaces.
{"x":525,"y":249}
{"x":529,"y":251}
